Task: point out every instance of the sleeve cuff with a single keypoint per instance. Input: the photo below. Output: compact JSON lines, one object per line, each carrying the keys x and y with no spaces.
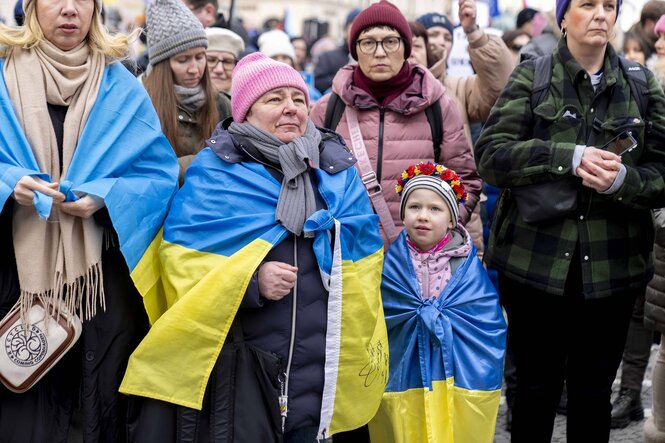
{"x":577,"y":158}
{"x":618,"y":181}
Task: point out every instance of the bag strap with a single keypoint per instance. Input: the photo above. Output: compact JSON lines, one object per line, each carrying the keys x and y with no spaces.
{"x":334,"y":111}
{"x":638,"y":83}
{"x":434,"y":117}
{"x":542,"y":77}
{"x":368,"y":176}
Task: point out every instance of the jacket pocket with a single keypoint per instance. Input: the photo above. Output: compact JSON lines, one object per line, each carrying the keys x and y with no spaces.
{"x":561,"y":124}
{"x":613,"y":127}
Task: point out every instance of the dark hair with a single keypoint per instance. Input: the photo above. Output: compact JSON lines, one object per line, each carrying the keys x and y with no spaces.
{"x":652,"y":10}
{"x":418,"y":30}
{"x":509,"y":37}
{"x":646,"y":48}
{"x":195,"y":4}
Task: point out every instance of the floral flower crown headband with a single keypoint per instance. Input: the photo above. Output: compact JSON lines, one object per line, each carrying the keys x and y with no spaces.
{"x":434,"y":170}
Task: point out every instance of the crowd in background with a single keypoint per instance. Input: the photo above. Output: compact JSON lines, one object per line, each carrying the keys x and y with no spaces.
{"x":321,"y":210}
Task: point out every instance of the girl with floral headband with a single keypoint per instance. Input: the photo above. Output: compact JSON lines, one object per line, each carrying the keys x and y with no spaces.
{"x":446,"y":331}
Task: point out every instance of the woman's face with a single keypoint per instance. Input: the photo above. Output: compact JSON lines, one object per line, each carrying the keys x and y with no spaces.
{"x":380,"y":65}
{"x":281,"y":112}
{"x":660,"y":45}
{"x":633,"y":51}
{"x":590,"y":23}
{"x":188,"y":66}
{"x":220,"y":66}
{"x":65,"y":23}
{"x":418,"y":51}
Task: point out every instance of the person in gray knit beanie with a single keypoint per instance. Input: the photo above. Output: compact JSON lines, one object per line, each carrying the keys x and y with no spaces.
{"x":172,"y":28}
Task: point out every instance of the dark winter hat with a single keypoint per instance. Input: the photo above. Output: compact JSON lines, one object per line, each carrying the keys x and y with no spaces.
{"x":382,"y":13}
{"x":351,"y":16}
{"x":433,"y":19}
{"x":562,"y":7}
{"x":19,"y":15}
{"x":172,"y":28}
{"x":525,"y":16}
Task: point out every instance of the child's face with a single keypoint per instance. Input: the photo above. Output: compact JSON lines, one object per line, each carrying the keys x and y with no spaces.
{"x":660,"y":45}
{"x":427,"y":218}
{"x":633,"y":51}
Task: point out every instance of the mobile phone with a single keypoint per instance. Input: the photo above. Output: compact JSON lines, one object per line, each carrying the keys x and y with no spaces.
{"x":621,"y":144}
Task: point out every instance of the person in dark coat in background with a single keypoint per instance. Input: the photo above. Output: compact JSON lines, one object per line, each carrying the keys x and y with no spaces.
{"x":70,"y":107}
{"x":330,"y":62}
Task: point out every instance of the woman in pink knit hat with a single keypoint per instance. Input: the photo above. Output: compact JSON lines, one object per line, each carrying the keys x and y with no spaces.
{"x":285,"y":194}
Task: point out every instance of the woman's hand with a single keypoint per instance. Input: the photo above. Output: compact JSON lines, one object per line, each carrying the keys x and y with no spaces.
{"x":83,"y":207}
{"x":276,"y":279}
{"x":598,"y":168}
{"x":24,"y":191}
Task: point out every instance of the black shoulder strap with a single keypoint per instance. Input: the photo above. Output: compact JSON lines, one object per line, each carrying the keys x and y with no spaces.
{"x":542,"y":77}
{"x":334,"y":111}
{"x":637,"y":80}
{"x":434,"y":117}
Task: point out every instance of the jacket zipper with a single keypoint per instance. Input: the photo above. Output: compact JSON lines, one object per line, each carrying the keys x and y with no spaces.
{"x":379,"y":157}
{"x":284,"y":397}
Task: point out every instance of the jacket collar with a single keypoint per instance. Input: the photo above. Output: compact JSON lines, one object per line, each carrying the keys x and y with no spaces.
{"x":575,"y":70}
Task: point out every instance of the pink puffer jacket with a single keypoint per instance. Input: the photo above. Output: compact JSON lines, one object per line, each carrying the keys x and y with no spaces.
{"x":407,"y":137}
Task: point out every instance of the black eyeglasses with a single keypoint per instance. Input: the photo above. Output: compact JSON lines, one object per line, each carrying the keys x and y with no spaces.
{"x":227,"y":63}
{"x":369,"y":45}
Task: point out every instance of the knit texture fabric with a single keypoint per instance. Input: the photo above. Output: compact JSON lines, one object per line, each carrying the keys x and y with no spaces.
{"x":225,"y":40}
{"x":441,"y":187}
{"x":660,"y":25}
{"x":562,"y":7}
{"x":172,"y":28}
{"x":433,"y":19}
{"x":382,"y":13}
{"x":256,"y":74}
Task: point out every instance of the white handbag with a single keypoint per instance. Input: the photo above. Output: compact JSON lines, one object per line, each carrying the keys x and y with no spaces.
{"x":27,"y":353}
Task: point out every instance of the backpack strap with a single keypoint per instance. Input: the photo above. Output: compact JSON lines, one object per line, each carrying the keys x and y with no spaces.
{"x":434,"y":117}
{"x":637,"y":80}
{"x":334,"y":111}
{"x":542,"y":77}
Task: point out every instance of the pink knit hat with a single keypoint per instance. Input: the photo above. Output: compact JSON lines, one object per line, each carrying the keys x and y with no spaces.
{"x":256,"y":74}
{"x":660,"y":25}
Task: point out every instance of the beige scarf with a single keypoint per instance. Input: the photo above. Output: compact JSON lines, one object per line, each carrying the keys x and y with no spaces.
{"x":58,"y":262}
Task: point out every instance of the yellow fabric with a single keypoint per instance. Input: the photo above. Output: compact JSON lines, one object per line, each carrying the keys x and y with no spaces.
{"x":363,"y":356}
{"x":446,"y":414}
{"x":205,"y":291}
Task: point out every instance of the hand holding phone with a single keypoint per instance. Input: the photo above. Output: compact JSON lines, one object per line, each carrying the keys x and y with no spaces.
{"x":621,"y":144}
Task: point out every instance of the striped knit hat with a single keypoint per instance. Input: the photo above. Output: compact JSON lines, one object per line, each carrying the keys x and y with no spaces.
{"x":172,"y":28}
{"x":435,"y":177}
{"x":254,"y":75}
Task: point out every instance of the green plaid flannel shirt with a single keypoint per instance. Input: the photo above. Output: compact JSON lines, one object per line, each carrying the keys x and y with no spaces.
{"x":520,"y":146}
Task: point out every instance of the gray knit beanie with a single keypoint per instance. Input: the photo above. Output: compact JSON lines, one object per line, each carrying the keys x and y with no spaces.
{"x":172,"y":28}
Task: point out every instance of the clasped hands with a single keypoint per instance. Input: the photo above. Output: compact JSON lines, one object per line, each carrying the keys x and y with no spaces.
{"x":598,"y":168}
{"x":24,"y":193}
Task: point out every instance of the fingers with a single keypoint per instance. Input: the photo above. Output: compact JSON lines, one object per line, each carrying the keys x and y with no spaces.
{"x":24,"y":191}
{"x":276,"y":279}
{"x":596,"y":177}
{"x":84,"y":207}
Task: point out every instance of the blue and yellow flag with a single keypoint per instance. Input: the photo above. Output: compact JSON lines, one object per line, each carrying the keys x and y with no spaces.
{"x":122,"y":157}
{"x":220,"y":227}
{"x":446,"y":355}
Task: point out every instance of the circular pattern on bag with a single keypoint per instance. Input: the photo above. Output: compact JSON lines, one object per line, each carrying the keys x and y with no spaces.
{"x":26,"y":347}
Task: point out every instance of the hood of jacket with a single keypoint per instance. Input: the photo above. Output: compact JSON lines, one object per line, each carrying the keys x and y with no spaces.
{"x":424,"y":91}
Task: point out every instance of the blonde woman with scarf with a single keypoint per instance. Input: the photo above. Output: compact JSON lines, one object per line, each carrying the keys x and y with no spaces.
{"x":178,"y":80}
{"x":82,"y":159}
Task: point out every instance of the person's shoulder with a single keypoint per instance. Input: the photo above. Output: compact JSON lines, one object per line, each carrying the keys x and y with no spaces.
{"x":335,"y":156}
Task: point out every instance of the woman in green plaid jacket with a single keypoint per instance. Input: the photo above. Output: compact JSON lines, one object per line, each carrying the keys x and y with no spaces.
{"x":569,"y":280}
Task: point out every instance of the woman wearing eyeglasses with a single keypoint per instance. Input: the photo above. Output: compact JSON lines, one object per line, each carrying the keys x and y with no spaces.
{"x":388,"y":95}
{"x":178,"y":82}
{"x":224,"y":49}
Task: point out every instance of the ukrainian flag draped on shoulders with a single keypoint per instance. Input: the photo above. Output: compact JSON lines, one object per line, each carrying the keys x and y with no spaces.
{"x":220,"y":227}
{"x":121,"y":156}
{"x":446,"y":355}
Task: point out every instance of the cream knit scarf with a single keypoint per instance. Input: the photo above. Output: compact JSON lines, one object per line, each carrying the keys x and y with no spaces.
{"x":58,"y":262}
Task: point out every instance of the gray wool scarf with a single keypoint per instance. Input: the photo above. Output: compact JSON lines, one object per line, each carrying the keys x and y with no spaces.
{"x":296,"y":200}
{"x":191,"y":99}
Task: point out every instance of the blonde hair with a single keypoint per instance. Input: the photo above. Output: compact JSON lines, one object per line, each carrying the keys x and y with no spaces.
{"x":114,"y":47}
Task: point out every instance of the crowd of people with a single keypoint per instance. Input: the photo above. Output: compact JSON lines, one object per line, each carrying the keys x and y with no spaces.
{"x":261,"y":242}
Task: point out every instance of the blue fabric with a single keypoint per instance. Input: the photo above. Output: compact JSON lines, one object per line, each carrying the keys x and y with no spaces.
{"x":459,"y":334}
{"x":122,"y":157}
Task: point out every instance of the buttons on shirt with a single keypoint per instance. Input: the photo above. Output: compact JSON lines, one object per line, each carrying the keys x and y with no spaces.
{"x":213,"y":141}
{"x":591,"y":110}
{"x":180,"y":117}
{"x":567,"y":254}
{"x":586,"y":258}
{"x":581,"y":217}
{"x":560,"y":168}
{"x":89,"y":356}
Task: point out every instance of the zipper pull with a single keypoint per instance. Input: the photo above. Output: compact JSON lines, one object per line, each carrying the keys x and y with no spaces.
{"x":283,"y":399}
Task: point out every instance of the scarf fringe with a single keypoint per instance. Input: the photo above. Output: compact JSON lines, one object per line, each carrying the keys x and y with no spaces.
{"x":69,"y":297}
